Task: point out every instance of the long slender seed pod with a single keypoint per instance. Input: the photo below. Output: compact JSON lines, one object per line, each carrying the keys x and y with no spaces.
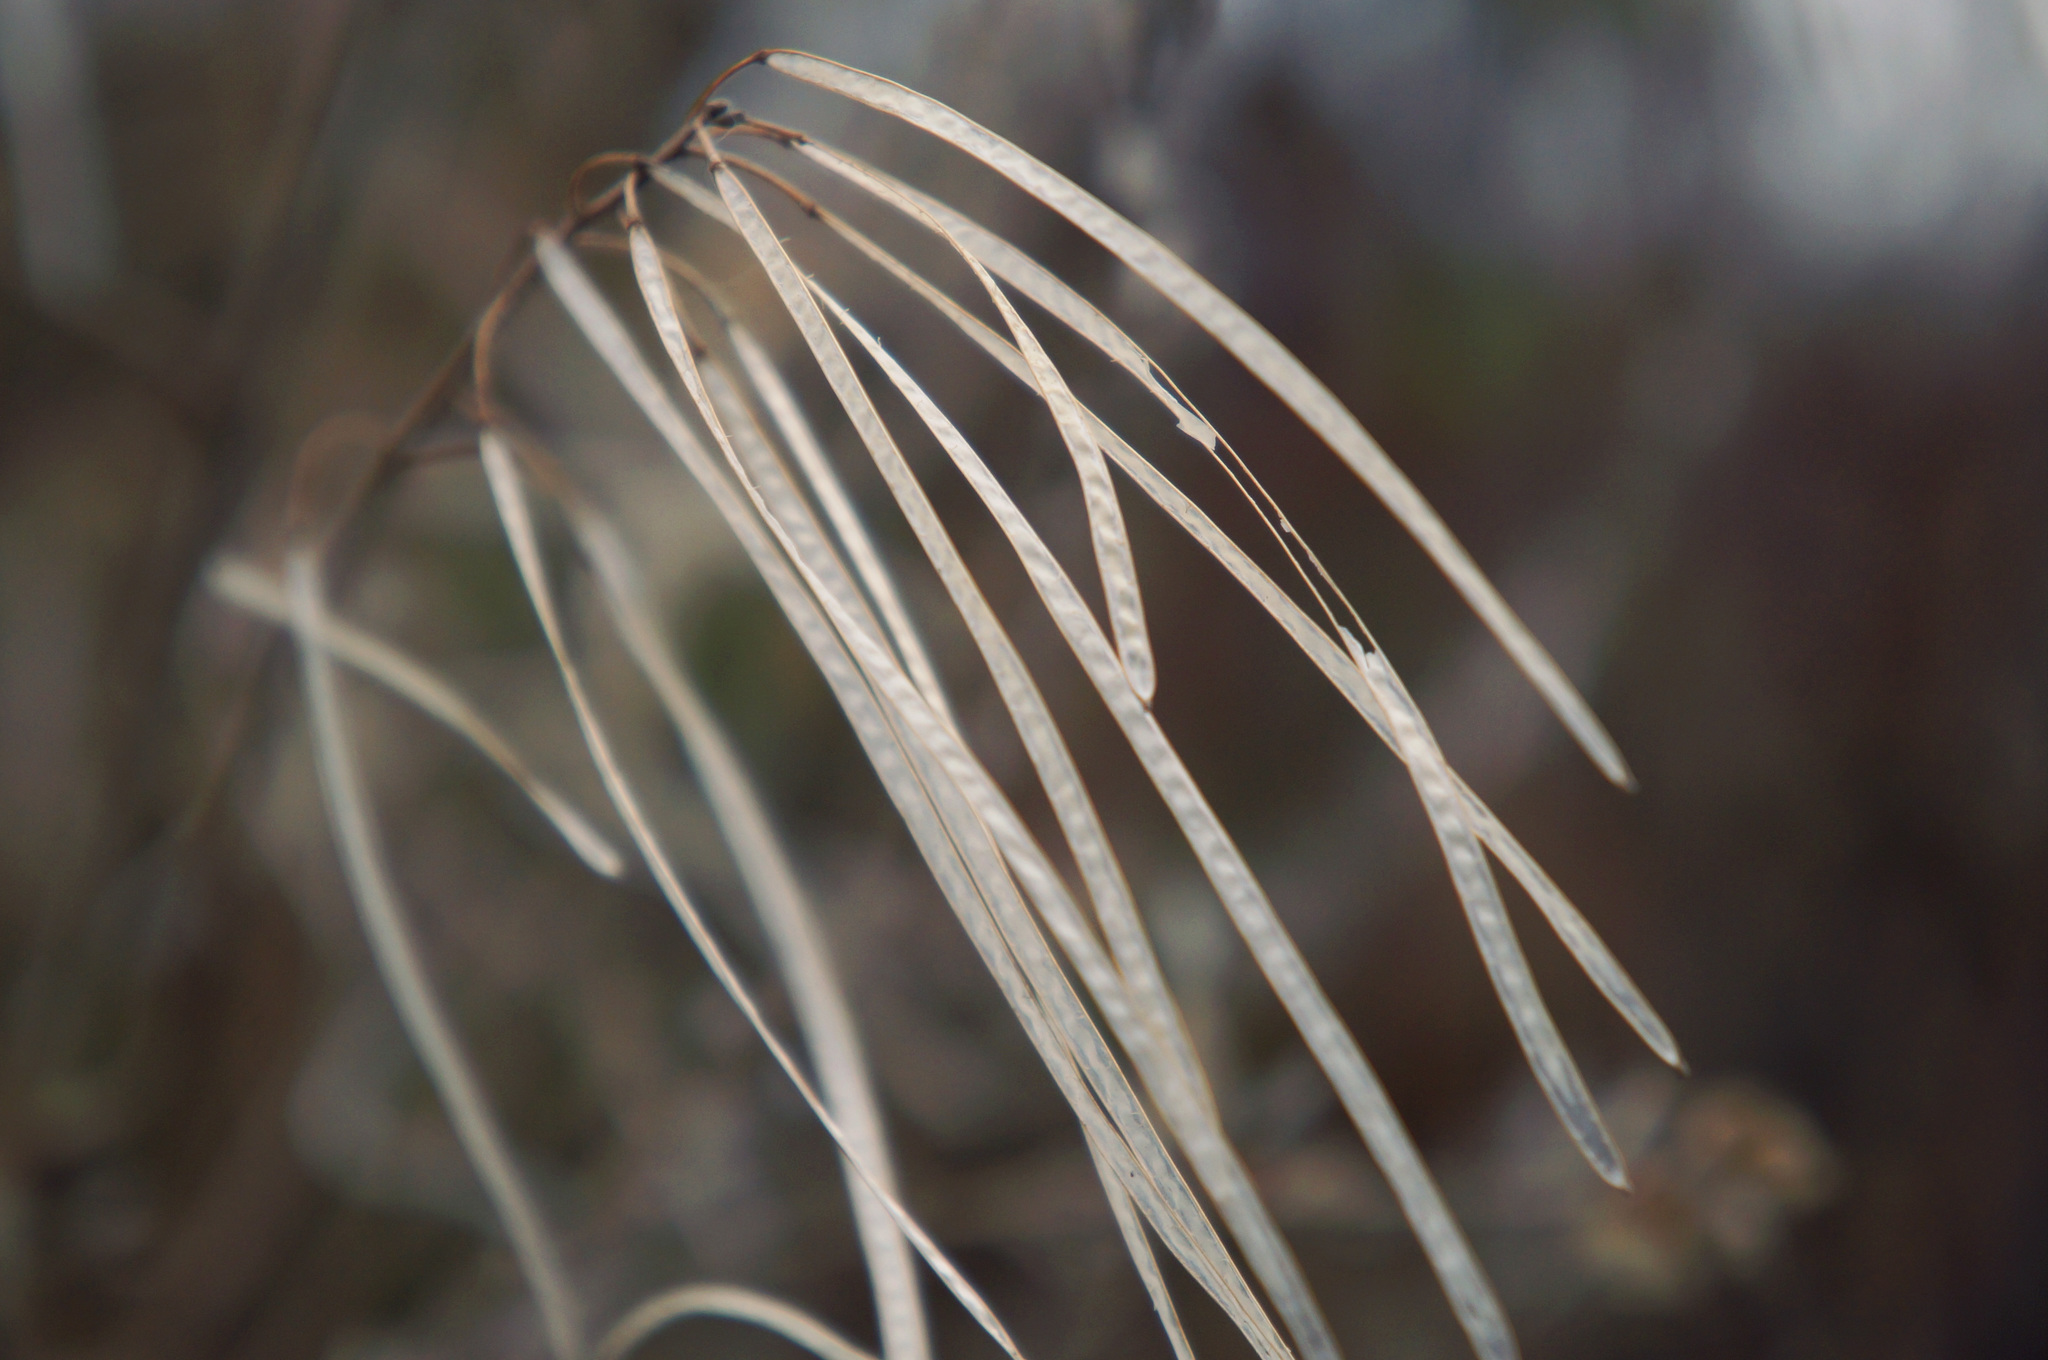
{"x":791,"y":923}
{"x":805,"y":547}
{"x":1158,"y":1043}
{"x":1270,"y":361}
{"x":1555,"y":1070}
{"x":509,"y":492}
{"x":245,"y":586}
{"x":1272,"y":948}
{"x":405,"y":974}
{"x":1571,"y":927}
{"x":724,"y":1301}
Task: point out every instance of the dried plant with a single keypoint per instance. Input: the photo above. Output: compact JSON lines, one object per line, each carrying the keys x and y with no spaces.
{"x":1145,"y":1106}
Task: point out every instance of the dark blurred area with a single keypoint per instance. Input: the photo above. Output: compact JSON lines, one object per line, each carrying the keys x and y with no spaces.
{"x":1719,"y":334}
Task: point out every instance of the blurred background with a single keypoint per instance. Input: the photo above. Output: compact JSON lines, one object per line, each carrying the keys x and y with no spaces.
{"x":1718,"y":332}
